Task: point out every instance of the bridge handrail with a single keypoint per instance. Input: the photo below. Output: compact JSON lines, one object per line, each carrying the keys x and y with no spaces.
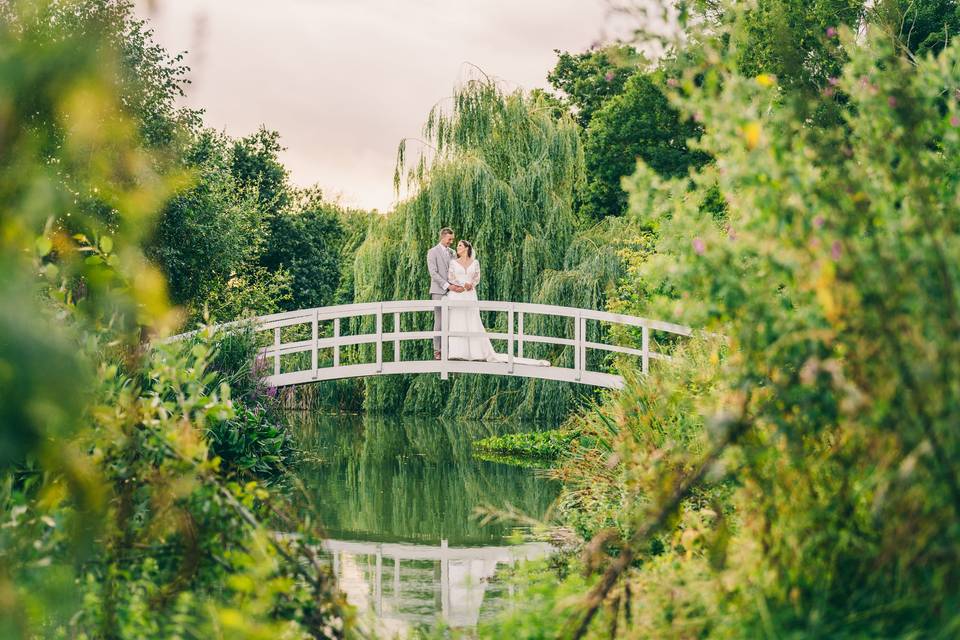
{"x":371,"y":308}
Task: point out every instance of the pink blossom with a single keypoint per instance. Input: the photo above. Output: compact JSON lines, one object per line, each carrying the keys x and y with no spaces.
{"x":609,"y":76}
{"x":731,"y":233}
{"x":954,"y":121}
{"x":833,"y":81}
{"x":892,"y":101}
{"x":818,"y":222}
{"x":828,"y":92}
{"x":835,"y":250}
{"x":814,"y":243}
{"x":672,"y":82}
{"x":699,"y":246}
{"x":831,"y":32}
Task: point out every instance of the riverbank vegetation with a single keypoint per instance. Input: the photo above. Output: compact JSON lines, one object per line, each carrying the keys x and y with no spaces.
{"x":796,"y":477}
{"x":791,"y":472}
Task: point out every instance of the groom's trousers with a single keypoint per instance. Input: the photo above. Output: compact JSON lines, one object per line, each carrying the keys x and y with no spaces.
{"x":437,"y":321}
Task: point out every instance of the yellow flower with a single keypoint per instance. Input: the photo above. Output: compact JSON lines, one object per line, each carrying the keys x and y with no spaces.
{"x":751,"y":133}
{"x":766,"y":80}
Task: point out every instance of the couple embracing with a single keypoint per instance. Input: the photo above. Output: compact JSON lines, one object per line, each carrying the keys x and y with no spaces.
{"x":455,"y":276}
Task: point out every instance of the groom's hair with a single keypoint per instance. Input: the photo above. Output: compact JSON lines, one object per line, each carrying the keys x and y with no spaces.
{"x":446,"y":231}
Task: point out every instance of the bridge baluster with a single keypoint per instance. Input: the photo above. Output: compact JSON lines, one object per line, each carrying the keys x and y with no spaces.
{"x":520,"y":336}
{"x":276,"y":351}
{"x":315,"y":335}
{"x":578,"y":345}
{"x":396,"y":333}
{"x":380,"y":337}
{"x":336,"y":346}
{"x":645,"y":349}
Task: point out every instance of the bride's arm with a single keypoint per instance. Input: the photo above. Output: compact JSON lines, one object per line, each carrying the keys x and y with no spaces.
{"x":475,"y":276}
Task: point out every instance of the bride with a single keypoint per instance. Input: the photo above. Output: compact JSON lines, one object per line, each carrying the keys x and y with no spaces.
{"x":465,"y":271}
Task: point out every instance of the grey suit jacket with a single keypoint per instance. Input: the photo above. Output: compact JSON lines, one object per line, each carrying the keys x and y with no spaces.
{"x":438,"y":264}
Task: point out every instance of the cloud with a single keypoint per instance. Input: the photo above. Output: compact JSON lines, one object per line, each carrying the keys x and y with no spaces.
{"x":344,"y":80}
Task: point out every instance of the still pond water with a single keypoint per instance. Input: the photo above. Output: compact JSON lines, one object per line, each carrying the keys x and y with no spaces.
{"x":396,"y":497}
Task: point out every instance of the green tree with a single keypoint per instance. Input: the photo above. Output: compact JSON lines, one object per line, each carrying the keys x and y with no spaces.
{"x":210,"y":231}
{"x":587,"y":80}
{"x":922,"y":27}
{"x":307,"y":241}
{"x":257,"y":168}
{"x":637,"y":123}
{"x":795,"y":41}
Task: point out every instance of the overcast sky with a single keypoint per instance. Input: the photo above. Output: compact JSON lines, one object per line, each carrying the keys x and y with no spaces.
{"x":344,"y":80}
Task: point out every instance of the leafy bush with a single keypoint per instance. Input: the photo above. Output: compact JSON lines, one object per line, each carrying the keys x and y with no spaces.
{"x":548,"y":445}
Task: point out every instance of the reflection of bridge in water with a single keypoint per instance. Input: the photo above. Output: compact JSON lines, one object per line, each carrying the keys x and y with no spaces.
{"x":423,"y":581}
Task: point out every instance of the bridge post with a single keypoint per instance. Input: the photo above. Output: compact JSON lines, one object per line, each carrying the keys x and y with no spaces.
{"x":645,"y":348}
{"x":444,"y":338}
{"x":315,"y":335}
{"x":513,"y":307}
{"x":380,"y":337}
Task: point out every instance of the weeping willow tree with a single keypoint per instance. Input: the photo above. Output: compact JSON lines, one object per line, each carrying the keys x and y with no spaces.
{"x":502,"y":171}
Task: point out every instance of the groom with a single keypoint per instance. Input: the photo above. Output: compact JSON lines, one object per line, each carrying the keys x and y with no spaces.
{"x":438,"y":264}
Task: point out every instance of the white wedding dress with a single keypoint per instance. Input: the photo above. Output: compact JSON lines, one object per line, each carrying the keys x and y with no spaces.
{"x":467,"y":319}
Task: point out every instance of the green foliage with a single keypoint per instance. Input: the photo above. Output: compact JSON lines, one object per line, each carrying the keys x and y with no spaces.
{"x":921,"y":27}
{"x":638,"y":122}
{"x":307,"y":241}
{"x":208,"y":233}
{"x":256,"y":167}
{"x":116,"y":519}
{"x":792,"y":40}
{"x":802,"y":477}
{"x":587,"y":80}
{"x":251,"y":443}
{"x":547,"y":445}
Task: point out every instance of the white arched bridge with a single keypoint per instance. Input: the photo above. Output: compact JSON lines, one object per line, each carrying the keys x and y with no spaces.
{"x":300,"y":337}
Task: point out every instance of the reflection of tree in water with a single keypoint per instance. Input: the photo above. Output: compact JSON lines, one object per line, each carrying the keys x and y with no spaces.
{"x":410,"y":479}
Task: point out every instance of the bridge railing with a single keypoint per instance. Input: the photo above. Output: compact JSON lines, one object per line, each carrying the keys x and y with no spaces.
{"x":516,"y":336}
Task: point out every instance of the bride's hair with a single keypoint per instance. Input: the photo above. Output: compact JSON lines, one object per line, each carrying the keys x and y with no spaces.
{"x":469,"y":247}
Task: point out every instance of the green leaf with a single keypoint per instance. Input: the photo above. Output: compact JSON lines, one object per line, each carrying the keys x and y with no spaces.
{"x":106,"y":244}
{"x":44,"y":245}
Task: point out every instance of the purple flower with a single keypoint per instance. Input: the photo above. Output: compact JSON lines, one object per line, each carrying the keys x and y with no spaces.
{"x":818,"y":222}
{"x":699,"y":246}
{"x":831,"y":32}
{"x":835,"y":250}
{"x":272,"y":392}
{"x":833,"y":81}
{"x":609,"y":76}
